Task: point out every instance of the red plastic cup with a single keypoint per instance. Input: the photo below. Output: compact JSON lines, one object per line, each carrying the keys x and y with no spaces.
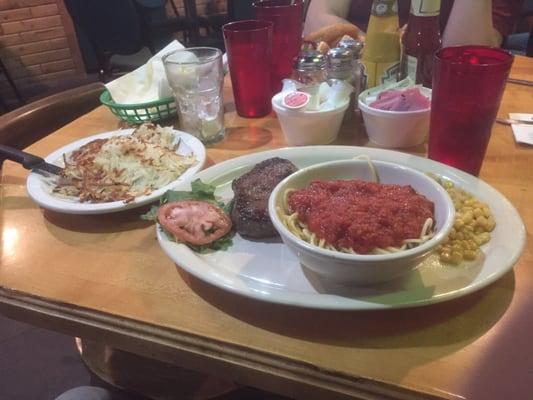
{"x":249,"y":50}
{"x":468,"y":84}
{"x":287,"y":17}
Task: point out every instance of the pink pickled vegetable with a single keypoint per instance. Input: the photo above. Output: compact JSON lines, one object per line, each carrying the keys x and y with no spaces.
{"x":401,"y":100}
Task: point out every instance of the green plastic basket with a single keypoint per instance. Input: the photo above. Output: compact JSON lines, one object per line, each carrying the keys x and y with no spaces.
{"x":143,"y":112}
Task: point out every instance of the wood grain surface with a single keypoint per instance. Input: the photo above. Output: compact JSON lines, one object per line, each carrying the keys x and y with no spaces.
{"x":105,"y":278}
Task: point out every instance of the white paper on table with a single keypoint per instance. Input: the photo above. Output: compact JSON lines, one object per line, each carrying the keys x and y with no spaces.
{"x":523,"y":133}
{"x":521,"y":117}
{"x":147,"y":83}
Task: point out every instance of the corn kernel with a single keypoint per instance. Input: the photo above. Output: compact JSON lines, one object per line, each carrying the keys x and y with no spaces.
{"x":473,"y":222}
{"x":456,"y":257}
{"x":445,"y":257}
{"x":470,"y":255}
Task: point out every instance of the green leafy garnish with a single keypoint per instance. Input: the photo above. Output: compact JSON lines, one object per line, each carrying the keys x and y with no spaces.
{"x":223,"y":243}
{"x":151,"y":215}
{"x":199,"y":191}
{"x":202,"y":192}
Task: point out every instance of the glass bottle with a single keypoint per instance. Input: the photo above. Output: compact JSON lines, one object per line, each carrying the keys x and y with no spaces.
{"x":381,"y":55}
{"x":358,"y":69}
{"x":309,"y":68}
{"x":343,"y":63}
{"x":421,"y":40}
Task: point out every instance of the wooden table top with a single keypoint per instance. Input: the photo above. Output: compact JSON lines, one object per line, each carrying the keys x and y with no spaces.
{"x":106,"y":278}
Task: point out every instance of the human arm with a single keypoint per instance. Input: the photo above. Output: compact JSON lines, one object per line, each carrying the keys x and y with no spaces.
{"x":470,"y":22}
{"x":480,"y":22}
{"x":326,"y":23}
{"x":322,"y":13}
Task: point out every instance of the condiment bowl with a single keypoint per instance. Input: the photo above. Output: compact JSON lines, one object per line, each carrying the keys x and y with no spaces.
{"x":304,"y":127}
{"x":363,"y":269}
{"x":395,"y":129}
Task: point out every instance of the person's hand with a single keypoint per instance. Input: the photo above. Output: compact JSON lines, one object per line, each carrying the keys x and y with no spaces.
{"x":331,"y":34}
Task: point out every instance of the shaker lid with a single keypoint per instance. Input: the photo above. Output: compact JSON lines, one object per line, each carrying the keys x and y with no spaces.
{"x":310,"y":60}
{"x":356,"y":46}
{"x":339,"y":57}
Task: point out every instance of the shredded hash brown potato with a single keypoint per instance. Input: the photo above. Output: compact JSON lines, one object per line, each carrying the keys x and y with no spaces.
{"x":123,"y":167}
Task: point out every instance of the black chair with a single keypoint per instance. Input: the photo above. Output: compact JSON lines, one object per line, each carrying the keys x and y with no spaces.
{"x":109,"y":27}
{"x":27,"y":124}
{"x":5,"y":72}
{"x":158,"y":28}
{"x":211,"y":24}
{"x":529,"y":49}
{"x":521,"y":40}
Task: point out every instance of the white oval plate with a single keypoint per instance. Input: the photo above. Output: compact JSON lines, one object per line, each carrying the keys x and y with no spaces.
{"x":39,"y":188}
{"x":267,"y":270}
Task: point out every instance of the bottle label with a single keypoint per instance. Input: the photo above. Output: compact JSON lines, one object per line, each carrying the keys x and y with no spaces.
{"x":388,"y":73}
{"x":379,"y":73}
{"x":425,"y":8}
{"x":364,"y":78}
{"x":384,"y":8}
{"x":411,"y":67}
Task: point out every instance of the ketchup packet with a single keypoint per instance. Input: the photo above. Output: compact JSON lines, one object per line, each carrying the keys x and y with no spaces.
{"x":296,"y":100}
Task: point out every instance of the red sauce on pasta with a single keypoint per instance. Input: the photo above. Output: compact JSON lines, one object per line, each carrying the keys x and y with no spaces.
{"x":361,"y":215}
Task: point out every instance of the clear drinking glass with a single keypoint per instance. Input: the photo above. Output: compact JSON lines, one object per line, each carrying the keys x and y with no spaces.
{"x":196,"y":78}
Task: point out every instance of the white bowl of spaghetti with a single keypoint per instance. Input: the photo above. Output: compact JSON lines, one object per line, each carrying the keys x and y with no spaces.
{"x":360,"y":221}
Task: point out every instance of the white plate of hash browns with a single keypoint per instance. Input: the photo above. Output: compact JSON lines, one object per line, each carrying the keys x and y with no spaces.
{"x":117,"y":170}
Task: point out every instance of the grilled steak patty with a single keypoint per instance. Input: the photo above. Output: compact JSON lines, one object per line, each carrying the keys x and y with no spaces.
{"x":252,"y":190}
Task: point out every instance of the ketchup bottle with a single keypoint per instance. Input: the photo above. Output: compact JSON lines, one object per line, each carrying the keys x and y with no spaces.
{"x":420,"y":41}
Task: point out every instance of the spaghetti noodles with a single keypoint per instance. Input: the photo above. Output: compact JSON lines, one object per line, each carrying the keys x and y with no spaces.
{"x":358,"y":217}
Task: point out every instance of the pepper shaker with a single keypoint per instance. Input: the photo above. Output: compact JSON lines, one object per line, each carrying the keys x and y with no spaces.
{"x":358,"y":68}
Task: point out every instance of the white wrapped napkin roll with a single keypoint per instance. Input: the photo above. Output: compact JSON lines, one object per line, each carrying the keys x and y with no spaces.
{"x":147,"y":83}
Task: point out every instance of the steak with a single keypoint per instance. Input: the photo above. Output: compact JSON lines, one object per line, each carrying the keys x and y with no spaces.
{"x":252,"y":190}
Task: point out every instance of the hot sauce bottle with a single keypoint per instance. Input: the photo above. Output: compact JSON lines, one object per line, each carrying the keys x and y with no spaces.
{"x":420,"y":41}
{"x":381,"y":55}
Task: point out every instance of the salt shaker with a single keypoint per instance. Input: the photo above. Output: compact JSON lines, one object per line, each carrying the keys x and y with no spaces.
{"x":339,"y":64}
{"x":310,"y":69}
{"x":358,"y":68}
{"x":344,"y":63}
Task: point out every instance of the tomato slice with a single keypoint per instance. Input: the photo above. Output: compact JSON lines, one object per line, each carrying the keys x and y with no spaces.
{"x":194,"y":222}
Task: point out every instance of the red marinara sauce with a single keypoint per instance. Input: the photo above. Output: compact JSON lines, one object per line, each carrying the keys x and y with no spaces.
{"x":361,"y":215}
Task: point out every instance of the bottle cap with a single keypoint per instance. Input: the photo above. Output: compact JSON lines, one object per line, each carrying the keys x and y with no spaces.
{"x":339,"y":58}
{"x":309,"y":60}
{"x":356,"y":46}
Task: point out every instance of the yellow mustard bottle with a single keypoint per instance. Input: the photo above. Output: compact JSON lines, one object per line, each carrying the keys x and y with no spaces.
{"x":381,"y":55}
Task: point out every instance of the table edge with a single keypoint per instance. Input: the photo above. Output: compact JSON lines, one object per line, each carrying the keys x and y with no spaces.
{"x":46,"y":313}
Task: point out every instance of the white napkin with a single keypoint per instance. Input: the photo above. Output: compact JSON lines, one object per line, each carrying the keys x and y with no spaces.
{"x":523,"y":133}
{"x":147,"y":83}
{"x":521,"y":117}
